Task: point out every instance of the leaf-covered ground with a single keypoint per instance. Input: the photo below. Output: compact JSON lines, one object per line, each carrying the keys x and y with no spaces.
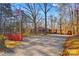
{"x":37,"y":46}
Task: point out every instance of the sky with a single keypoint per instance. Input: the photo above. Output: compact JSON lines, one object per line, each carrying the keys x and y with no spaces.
{"x":53,"y":10}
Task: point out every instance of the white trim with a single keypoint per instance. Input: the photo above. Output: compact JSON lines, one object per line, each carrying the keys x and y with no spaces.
{"x":39,"y":1}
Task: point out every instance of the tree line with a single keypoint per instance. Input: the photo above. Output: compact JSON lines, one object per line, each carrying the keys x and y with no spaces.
{"x":37,"y":14}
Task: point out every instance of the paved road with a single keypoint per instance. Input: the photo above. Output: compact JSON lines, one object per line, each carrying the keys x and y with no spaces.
{"x":41,"y":46}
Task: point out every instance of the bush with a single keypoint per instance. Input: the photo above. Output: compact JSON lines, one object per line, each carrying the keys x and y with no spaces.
{"x":26,"y":34}
{"x":2,"y":41}
{"x":2,"y":37}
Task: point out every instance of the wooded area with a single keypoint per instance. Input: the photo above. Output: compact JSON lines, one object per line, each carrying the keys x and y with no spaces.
{"x":39,"y":29}
{"x":33,"y":18}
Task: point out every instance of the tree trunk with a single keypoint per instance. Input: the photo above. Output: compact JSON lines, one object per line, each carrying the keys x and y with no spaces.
{"x":60,"y":28}
{"x":61,"y":25}
{"x":77,"y":22}
{"x":45,"y":19}
{"x":77,"y":18}
{"x":35,"y":26}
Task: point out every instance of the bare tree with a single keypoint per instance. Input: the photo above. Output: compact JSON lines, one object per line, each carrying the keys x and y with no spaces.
{"x":62,"y":14}
{"x":45,"y":8}
{"x":77,"y":17}
{"x":51,"y":21}
{"x":6,"y":12}
{"x":32,"y":11}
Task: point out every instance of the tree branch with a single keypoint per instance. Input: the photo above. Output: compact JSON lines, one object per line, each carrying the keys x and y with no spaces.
{"x":41,"y":7}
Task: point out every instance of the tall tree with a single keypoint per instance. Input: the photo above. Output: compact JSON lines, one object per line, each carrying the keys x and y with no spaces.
{"x":62,"y":13}
{"x":5,"y":11}
{"x":45,"y":8}
{"x":77,"y":17}
{"x":51,"y":21}
{"x":33,"y":12}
